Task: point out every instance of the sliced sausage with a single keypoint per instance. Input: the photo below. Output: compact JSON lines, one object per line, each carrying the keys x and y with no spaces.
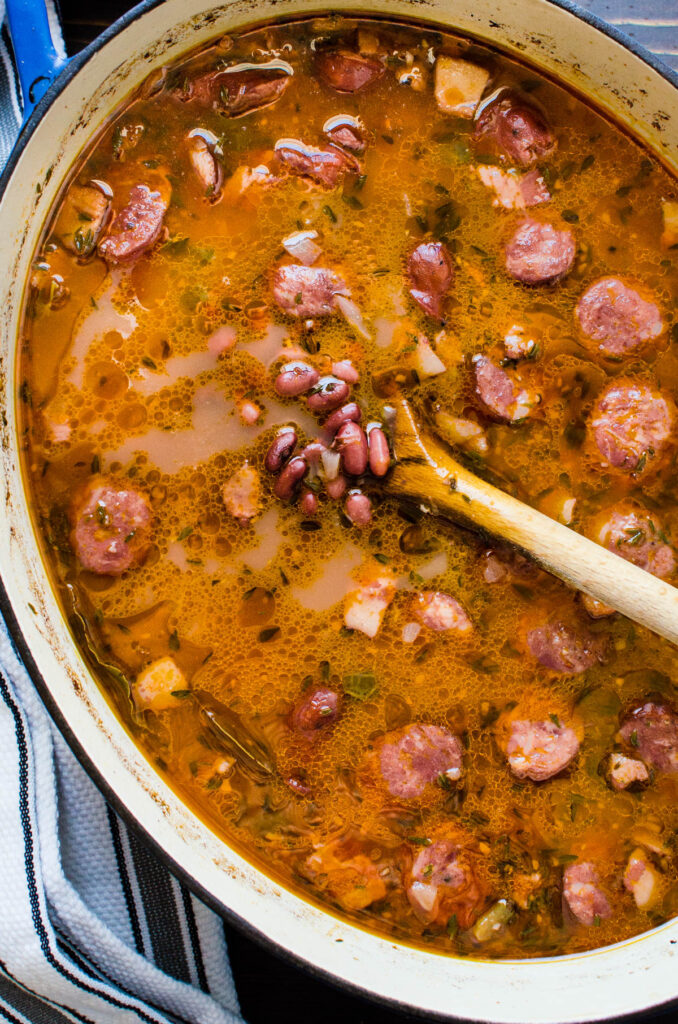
{"x":617,"y":317}
{"x":111,"y":527}
{"x":538,"y":253}
{"x":416,"y":756}
{"x":639,"y":538}
{"x":317,"y":710}
{"x":624,"y":772}
{"x":430,"y":270}
{"x":564,"y":649}
{"x":346,"y":71}
{"x":631,"y":424}
{"x":651,"y":733}
{"x":513,"y":128}
{"x":514,"y":191}
{"x":136,"y":227}
{"x":582,"y":893}
{"x":325,"y":166}
{"x":540,"y":750}
{"x":500,"y":395}
{"x":241,"y":88}
{"x":440,"y":612}
{"x":347,"y":132}
{"x":307,"y":291}
{"x":241,"y":494}
{"x":441,"y":883}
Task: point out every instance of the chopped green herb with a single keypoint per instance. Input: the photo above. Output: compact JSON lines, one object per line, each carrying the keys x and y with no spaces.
{"x":419,"y":840}
{"x":329,"y":212}
{"x":571,"y":216}
{"x":268,"y":634}
{"x":186,"y":532}
{"x":180,"y":694}
{"x":361,"y":685}
{"x":174,"y":642}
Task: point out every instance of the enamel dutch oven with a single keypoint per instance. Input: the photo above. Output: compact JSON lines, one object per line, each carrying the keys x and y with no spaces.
{"x":72,"y":102}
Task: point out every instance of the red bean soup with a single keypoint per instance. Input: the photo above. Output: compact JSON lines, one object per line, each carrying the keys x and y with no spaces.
{"x":267,"y":246}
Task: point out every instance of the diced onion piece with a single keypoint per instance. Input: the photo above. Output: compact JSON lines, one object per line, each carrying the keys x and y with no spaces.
{"x":331,"y":462}
{"x":670,"y":218}
{"x":492,"y":921}
{"x":641,"y":879}
{"x":411,"y":631}
{"x":567,"y":510}
{"x":352,"y":315}
{"x":301,"y":246}
{"x":427,"y":363}
{"x":466,"y":433}
{"x":159,"y":685}
{"x":459,"y":86}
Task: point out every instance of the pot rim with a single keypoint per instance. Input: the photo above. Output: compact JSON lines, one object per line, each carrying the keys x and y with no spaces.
{"x":47,"y":101}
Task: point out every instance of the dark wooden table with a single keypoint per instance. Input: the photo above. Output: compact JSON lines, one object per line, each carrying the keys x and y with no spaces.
{"x":270,"y":989}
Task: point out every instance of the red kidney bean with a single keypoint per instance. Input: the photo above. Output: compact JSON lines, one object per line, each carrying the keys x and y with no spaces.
{"x":358,"y":508}
{"x":353,"y":447}
{"x":328,"y":394}
{"x":293,"y":472}
{"x":351,"y":411}
{"x":308,"y":503}
{"x":281,"y":448}
{"x":380,"y":457}
{"x":345,"y":370}
{"x":336,"y":488}
{"x":295,"y":379}
{"x":297,"y":785}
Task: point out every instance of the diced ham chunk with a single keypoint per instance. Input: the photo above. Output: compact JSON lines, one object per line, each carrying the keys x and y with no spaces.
{"x":136,"y":227}
{"x":160,"y":686}
{"x":540,"y":750}
{"x":513,"y":128}
{"x":596,"y":609}
{"x":582,"y":893}
{"x":626,"y":772}
{"x":638,"y":537}
{"x":351,"y":877}
{"x":364,"y":608}
{"x":324,"y":166}
{"x":563,"y":649}
{"x":641,"y":879}
{"x":617,"y":317}
{"x":301,"y":246}
{"x":242,"y":494}
{"x":430,"y":271}
{"x":440,"y":612}
{"x":651,"y":733}
{"x":632,"y":425}
{"x":514,"y":191}
{"x":307,"y":291}
{"x":417,"y":756}
{"x":442,"y":883}
{"x":111,"y":527}
{"x":459,"y":85}
{"x":500,"y":395}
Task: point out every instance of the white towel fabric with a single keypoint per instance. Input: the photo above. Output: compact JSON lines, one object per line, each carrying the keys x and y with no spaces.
{"x":92,"y":927}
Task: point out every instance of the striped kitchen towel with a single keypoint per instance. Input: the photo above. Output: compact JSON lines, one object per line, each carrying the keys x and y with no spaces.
{"x":92,"y":927}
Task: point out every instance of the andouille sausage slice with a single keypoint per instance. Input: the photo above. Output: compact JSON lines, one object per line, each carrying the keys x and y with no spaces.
{"x":136,"y":227}
{"x":500,"y":394}
{"x":111,"y":527}
{"x":430,"y":272}
{"x":637,"y":536}
{"x":582,"y":894}
{"x":632,"y":425}
{"x":651,"y":733}
{"x":617,"y":317}
{"x":623,"y":772}
{"x":240,"y":89}
{"x":540,"y":750}
{"x":441,"y":882}
{"x":346,"y":71}
{"x":307,"y":291}
{"x":325,"y":166}
{"x":412,"y":758}
{"x":562,"y":648}
{"x":515,"y":129}
{"x":538,"y":253}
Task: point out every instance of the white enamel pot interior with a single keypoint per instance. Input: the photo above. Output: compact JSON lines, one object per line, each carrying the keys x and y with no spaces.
{"x":613,"y":982}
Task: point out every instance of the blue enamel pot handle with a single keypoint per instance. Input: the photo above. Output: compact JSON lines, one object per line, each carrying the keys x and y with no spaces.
{"x":38,"y":59}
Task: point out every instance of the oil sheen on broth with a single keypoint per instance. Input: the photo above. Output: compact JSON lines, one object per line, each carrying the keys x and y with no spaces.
{"x":404,"y":723}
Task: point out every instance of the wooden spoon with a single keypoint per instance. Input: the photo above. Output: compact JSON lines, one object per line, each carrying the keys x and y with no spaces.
{"x":426,"y":474}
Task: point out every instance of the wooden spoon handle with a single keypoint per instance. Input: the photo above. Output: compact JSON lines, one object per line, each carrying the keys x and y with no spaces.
{"x":426,"y":474}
